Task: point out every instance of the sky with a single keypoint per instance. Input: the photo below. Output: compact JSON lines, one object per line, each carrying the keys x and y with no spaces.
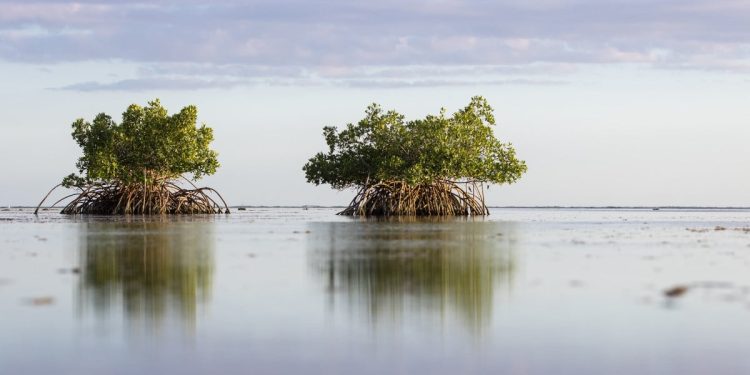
{"x":609,"y":102}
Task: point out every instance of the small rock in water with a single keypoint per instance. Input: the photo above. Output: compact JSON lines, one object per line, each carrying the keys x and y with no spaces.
{"x":676,"y":291}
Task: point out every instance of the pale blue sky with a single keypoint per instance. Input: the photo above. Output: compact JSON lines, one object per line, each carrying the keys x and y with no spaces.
{"x":609,"y":102}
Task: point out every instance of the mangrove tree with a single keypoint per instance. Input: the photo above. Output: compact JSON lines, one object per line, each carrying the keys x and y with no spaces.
{"x":139,"y":166}
{"x":438,"y":165}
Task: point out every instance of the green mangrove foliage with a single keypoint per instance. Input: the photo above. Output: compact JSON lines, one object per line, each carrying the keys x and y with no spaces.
{"x":133,"y":167}
{"x":432,"y":166}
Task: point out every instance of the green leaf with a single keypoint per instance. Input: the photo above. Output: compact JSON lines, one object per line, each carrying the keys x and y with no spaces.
{"x":383,"y":146}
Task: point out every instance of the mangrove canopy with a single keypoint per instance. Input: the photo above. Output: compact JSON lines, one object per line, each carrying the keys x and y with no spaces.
{"x":137,"y":166}
{"x":437,"y":165}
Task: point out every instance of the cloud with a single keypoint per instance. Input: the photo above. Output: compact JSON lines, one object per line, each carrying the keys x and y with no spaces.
{"x":141,"y":84}
{"x":151,"y":84}
{"x":303,"y":39}
{"x":450,"y":83}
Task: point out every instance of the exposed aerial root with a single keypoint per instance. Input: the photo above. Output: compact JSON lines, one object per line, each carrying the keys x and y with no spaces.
{"x":161,"y":198}
{"x":398,"y":198}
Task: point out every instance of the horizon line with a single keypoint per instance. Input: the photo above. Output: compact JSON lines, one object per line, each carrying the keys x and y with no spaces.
{"x":591,"y":207}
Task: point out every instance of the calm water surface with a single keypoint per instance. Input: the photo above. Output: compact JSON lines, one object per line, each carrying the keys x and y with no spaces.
{"x":291,"y":291}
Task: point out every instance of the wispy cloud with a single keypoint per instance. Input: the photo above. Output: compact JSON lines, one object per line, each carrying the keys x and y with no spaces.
{"x":140,"y":84}
{"x":151,"y":84}
{"x":303,"y":39}
{"x":450,"y":83}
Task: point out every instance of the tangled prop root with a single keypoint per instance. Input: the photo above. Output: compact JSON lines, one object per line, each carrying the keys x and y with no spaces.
{"x":122,"y":199}
{"x":398,"y":198}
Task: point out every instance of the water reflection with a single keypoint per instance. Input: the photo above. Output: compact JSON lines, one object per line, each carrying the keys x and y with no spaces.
{"x":151,"y":271}
{"x":393,"y":268}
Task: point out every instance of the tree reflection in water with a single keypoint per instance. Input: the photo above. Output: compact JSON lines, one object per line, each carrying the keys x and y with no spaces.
{"x":416,"y":265}
{"x":152,"y":269}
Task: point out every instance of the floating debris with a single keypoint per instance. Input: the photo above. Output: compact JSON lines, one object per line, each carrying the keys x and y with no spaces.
{"x":676,"y":291}
{"x":679,"y":290}
{"x":41,"y":301}
{"x":697,"y":230}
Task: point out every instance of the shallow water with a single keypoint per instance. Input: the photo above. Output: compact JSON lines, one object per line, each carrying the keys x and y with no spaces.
{"x":288,"y":290}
